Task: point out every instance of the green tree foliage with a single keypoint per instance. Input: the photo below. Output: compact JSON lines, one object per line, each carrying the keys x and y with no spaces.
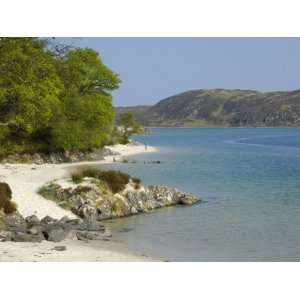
{"x":87,"y":104}
{"x":83,"y":72}
{"x":51,"y":101}
{"x":129,"y":125}
{"x":29,"y":89}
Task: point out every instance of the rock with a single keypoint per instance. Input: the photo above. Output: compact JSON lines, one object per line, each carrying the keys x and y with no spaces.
{"x":95,"y":226}
{"x":187,"y":199}
{"x":92,"y":203}
{"x":133,"y":210}
{"x":92,"y":235}
{"x":75,"y":224}
{"x":58,"y":157}
{"x":82,"y":235}
{"x":107,"y":233}
{"x":48,"y":220}
{"x":32,"y":220}
{"x":88,"y":213}
{"x":71,"y":235}
{"x":6,"y":236}
{"x":59,"y":248}
{"x":125,"y":229}
{"x":64,"y":219}
{"x":55,"y":234}
{"x":36,"y":229}
{"x":15,"y":222}
{"x":26,"y":237}
{"x":32,"y":229}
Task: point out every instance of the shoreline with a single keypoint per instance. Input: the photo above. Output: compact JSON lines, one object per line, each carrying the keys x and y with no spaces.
{"x":25,"y":180}
{"x":220,"y":127}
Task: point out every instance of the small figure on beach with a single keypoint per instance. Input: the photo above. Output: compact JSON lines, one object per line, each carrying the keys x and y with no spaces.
{"x":146,"y":147}
{"x":114,"y":159}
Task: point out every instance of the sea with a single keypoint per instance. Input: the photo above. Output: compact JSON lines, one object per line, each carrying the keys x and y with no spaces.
{"x":249,"y":183}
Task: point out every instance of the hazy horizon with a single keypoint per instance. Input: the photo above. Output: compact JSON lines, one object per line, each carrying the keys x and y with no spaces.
{"x":152,"y":69}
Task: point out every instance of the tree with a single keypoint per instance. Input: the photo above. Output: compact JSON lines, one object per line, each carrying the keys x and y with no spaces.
{"x":53,"y":99}
{"x":87,"y":104}
{"x":129,"y":124}
{"x":29,"y":88}
{"x":83,"y":72}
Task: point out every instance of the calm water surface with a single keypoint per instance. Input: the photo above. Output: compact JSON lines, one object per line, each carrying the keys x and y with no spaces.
{"x":249,"y":180}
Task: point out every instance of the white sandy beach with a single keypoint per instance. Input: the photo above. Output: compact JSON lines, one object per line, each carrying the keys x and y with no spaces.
{"x":76,"y":251}
{"x":25,"y":180}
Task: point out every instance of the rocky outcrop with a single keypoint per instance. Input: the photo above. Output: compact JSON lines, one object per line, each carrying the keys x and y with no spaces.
{"x":92,"y":200}
{"x":59,"y":157}
{"x":31,"y":229}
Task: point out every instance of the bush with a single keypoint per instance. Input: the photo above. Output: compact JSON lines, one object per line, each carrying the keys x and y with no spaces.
{"x":91,"y":173}
{"x":6,"y":205}
{"x":49,"y":191}
{"x":54,"y":192}
{"x":136,"y":180}
{"x":9,"y":207}
{"x":76,"y":177}
{"x":116,"y":180}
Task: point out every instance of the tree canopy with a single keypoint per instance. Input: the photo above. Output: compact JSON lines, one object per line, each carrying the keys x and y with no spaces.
{"x":53,"y":102}
{"x":129,"y":125}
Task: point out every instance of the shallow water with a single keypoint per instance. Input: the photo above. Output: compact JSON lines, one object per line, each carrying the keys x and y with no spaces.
{"x":249,"y":180}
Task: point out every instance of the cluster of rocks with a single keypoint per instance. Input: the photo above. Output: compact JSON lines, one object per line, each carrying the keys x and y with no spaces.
{"x":59,"y":157}
{"x":31,"y":229}
{"x":153,"y":162}
{"x":90,"y":202}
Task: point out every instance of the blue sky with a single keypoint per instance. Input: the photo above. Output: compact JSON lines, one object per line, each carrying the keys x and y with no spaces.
{"x":154,"y":68}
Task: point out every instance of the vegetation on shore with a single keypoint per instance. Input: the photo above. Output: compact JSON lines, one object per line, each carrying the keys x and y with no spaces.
{"x":53,"y":98}
{"x":100,"y":195}
{"x":7,"y":206}
{"x":126,"y":125}
{"x":115,"y":180}
{"x":109,"y":182}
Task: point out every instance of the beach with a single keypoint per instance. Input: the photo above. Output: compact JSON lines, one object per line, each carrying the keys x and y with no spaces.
{"x":26,"y":179}
{"x":75,"y":251}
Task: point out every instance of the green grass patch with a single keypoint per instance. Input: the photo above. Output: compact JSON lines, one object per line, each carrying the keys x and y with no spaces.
{"x":76,"y":177}
{"x":49,"y":191}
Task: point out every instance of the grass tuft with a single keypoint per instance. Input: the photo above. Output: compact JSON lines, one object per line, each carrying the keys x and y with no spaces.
{"x":76,"y":177}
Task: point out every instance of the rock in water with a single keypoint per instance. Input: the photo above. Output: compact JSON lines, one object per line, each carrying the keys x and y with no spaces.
{"x":59,"y":248}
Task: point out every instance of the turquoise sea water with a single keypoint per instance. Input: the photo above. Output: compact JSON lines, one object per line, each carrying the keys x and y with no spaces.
{"x":249,"y":180}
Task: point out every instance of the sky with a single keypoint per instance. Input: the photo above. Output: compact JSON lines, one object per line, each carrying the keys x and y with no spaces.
{"x":152,"y":69}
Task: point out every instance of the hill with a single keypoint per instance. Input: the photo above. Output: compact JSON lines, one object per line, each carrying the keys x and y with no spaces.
{"x":221,"y":107}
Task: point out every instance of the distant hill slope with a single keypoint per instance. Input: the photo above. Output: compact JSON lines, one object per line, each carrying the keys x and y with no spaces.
{"x":220,"y":107}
